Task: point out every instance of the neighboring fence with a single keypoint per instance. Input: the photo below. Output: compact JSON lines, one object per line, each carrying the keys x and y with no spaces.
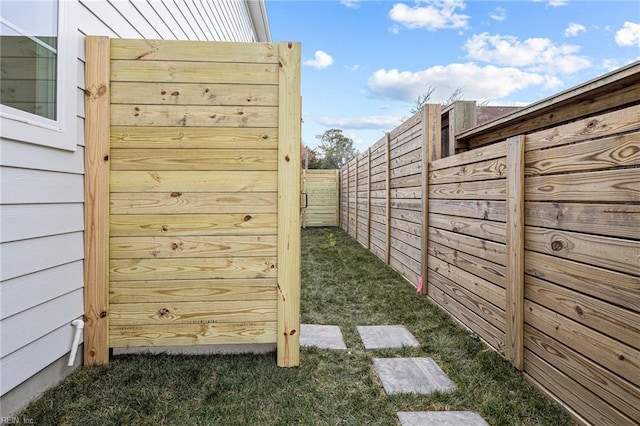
{"x":531,"y":240}
{"x":193,"y":192}
{"x":321,"y":192}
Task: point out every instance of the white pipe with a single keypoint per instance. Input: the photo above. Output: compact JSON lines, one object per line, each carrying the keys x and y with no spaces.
{"x":79,"y":325}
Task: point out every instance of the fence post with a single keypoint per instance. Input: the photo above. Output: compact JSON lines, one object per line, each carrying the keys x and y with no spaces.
{"x":357,"y":199}
{"x":96,"y":269}
{"x":514,"y":330}
{"x":388,"y":196}
{"x":431,"y":143}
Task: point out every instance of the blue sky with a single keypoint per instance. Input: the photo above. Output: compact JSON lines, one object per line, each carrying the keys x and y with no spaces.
{"x":366,"y":61}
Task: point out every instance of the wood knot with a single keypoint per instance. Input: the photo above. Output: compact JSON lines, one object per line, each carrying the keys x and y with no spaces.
{"x":579,"y":311}
{"x":175,"y":246}
{"x":103,"y":314}
{"x":106,"y":158}
{"x":102,"y":89}
{"x":247,"y":218}
{"x":176,"y":194}
{"x":163,"y":312}
{"x":164,"y":92}
{"x":292,"y":332}
{"x":265,"y":137}
{"x":165,"y":228}
{"x":557,"y":245}
{"x":176,"y":93}
{"x":621,"y":357}
{"x":286,"y":158}
{"x":592,"y":125}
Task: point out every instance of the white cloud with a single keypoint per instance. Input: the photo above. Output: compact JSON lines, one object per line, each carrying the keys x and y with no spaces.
{"x":321,"y":60}
{"x":554,"y":3}
{"x":476,"y":82}
{"x":361,"y":123}
{"x":499,"y":14}
{"x":574,"y":29}
{"x":629,"y":34}
{"x":534,"y":54}
{"x":351,"y":4}
{"x":436,"y":14}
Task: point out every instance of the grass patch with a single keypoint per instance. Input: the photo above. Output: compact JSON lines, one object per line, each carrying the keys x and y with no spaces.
{"x":344,"y":285}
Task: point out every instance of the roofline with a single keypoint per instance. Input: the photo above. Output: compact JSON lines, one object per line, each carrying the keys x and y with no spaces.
{"x":258,"y":13}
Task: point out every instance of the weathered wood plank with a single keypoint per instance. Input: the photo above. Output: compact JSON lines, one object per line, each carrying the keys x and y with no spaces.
{"x":178,"y":312}
{"x":161,"y":93}
{"x":194,"y":72}
{"x":191,"y":268}
{"x":183,"y":225}
{"x":484,"y":170}
{"x":193,"y":181}
{"x":174,"y":50}
{"x":192,"y":202}
{"x":604,"y":186}
{"x":480,"y":154}
{"x":483,"y":268}
{"x":614,"y":287}
{"x":615,"y":151}
{"x":289,"y":237}
{"x":485,"y":229}
{"x":193,"y":116}
{"x":481,"y":190}
{"x":96,"y":278}
{"x":205,"y":290}
{"x":615,"y":220}
{"x":192,"y":334}
{"x":612,"y":253}
{"x":194,"y":137}
{"x":193,"y":159}
{"x":493,"y":252}
{"x":201,"y":246}
{"x":488,"y":210}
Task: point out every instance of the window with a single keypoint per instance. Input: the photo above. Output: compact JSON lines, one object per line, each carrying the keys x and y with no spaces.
{"x":38,"y":88}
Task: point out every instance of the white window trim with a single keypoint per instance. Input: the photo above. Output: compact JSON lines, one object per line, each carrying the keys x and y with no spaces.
{"x":60,"y":133}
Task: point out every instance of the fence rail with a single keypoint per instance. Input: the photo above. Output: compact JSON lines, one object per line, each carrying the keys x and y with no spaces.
{"x":531,"y":239}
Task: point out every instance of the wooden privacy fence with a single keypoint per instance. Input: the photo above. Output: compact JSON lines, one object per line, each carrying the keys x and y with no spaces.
{"x":531,"y":239}
{"x":192,"y":195}
{"x":320,"y":189}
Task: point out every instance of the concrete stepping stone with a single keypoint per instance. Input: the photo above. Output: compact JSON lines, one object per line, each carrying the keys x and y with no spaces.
{"x":412,"y":375}
{"x":441,"y":418}
{"x":386,"y":336}
{"x":322,"y":336}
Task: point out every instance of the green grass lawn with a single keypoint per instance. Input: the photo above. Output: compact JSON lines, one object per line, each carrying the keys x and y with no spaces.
{"x":342,"y":284}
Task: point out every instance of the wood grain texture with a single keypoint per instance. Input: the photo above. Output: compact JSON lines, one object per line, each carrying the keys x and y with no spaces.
{"x":484,"y":170}
{"x":96,"y":302}
{"x":485,"y":229}
{"x":480,"y":190}
{"x":493,"y":252}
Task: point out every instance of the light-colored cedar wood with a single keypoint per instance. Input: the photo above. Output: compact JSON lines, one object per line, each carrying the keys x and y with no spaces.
{"x":194,"y":137}
{"x":401,"y":264}
{"x":407,"y":170}
{"x":182,"y":225}
{"x":486,"y":153}
{"x":615,"y":220}
{"x":387,"y":194}
{"x":493,"y":337}
{"x":592,"y":409}
{"x":613,"y":287}
{"x":289,"y":163}
{"x":193,"y":181}
{"x":610,"y":353}
{"x":619,"y":323}
{"x":404,"y":247}
{"x":206,"y":290}
{"x":410,"y":157}
{"x":483,"y":268}
{"x":194,"y":94}
{"x":201,"y":246}
{"x":194,"y":72}
{"x":192,"y":334}
{"x":191,"y":268}
{"x":484,"y":170}
{"x":406,"y":126}
{"x":611,"y":253}
{"x":368,"y":222}
{"x":493,"y":252}
{"x":414,"y":192}
{"x":605,"y":186}
{"x":611,"y":123}
{"x":180,"y":312}
{"x":488,"y":210}
{"x":96,"y":300}
{"x":406,"y":226}
{"x":514,"y":331}
{"x":474,"y":284}
{"x":404,"y":237}
{"x":406,"y":181}
{"x":194,"y":116}
{"x":481,"y":190}
{"x":174,"y":50}
{"x":193,"y":159}
{"x":469,"y":300}
{"x":413,"y":216}
{"x":485,"y":229}
{"x":192,"y":202}
{"x":614,"y":151}
{"x":613,"y":389}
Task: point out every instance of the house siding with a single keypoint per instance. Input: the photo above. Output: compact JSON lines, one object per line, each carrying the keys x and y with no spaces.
{"x":42,"y":195}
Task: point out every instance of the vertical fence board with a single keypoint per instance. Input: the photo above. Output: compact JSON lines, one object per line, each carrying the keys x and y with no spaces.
{"x":387,"y":157}
{"x":289,"y":250}
{"x":97,"y":116}
{"x":514,"y":345}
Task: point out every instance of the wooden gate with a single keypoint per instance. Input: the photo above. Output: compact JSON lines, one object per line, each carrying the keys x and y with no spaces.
{"x":321,"y":192}
{"x":192,"y":195}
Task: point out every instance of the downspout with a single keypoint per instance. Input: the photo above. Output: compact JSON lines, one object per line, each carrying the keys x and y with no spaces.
{"x":79,"y":325}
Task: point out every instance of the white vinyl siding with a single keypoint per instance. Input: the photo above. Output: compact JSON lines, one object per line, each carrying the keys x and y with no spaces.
{"x":42,"y":188}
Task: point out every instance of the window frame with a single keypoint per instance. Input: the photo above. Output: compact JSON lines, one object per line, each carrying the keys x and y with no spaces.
{"x":60,"y":133}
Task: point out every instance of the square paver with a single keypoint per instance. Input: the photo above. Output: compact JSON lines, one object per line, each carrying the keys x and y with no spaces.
{"x":441,"y":418}
{"x":386,"y":336}
{"x":322,"y":336}
{"x":412,"y":375}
